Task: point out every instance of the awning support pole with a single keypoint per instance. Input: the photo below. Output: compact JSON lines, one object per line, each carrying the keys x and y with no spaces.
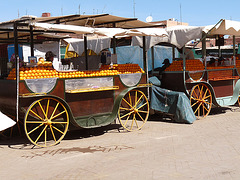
{"x":144,"y":54}
{"x":173,"y":52}
{"x":152,"y":50}
{"x":145,"y":63}
{"x":204,"y":51}
{"x":85,"y":51}
{"x":234,"y":51}
{"x":114,"y":41}
{"x":17,"y":67}
{"x":31,"y":41}
{"x":114,"y":45}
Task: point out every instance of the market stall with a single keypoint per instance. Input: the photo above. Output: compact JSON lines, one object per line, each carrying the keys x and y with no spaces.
{"x":50,"y":102}
{"x":205,"y":83}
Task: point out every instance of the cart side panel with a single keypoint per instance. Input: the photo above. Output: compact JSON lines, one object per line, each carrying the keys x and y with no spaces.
{"x":173,"y":81}
{"x":90,"y":103}
{"x":58,"y":90}
{"x":222,"y":88}
{"x":30,"y":97}
{"x":118,"y":82}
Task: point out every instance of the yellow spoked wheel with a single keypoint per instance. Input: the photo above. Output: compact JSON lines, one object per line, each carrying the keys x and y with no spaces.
{"x":201,"y":100}
{"x":134,"y":110}
{"x":46,"y":122}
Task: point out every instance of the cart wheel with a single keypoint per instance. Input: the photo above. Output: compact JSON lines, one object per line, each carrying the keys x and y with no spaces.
{"x":134,"y":110}
{"x":201,"y":100}
{"x":46,"y":122}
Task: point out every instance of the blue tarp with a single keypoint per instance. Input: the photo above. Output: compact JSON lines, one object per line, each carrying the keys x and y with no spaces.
{"x":172,"y":102}
{"x":134,"y":55}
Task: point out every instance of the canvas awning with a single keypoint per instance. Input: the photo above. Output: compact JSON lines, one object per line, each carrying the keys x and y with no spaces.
{"x":96,"y":45}
{"x":177,"y":35}
{"x":180,"y":35}
{"x":60,"y":27}
{"x":224,"y":27}
{"x":97,"y":20}
{"x":109,"y":32}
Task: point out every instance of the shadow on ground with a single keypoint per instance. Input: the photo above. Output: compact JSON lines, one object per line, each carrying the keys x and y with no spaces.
{"x":18,"y":140}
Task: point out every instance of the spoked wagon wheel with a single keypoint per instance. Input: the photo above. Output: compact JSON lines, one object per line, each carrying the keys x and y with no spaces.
{"x":134,"y":110}
{"x":46,"y":122}
{"x":201,"y":100}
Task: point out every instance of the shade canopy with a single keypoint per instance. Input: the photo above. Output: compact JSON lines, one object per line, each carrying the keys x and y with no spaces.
{"x":97,"y":20}
{"x":224,"y":27}
{"x":177,"y":36}
{"x":109,"y":32}
{"x":96,"y":45}
{"x":180,"y":35}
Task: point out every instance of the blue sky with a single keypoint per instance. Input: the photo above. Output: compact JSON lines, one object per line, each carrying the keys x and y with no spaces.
{"x":196,"y":13}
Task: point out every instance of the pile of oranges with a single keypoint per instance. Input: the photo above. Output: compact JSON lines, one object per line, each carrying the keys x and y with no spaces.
{"x":48,"y":72}
{"x":123,"y":68}
{"x":221,"y":75}
{"x":219,"y":67}
{"x":191,"y":65}
{"x":33,"y":73}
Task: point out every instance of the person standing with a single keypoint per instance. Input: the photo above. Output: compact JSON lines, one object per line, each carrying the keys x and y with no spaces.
{"x":49,"y":56}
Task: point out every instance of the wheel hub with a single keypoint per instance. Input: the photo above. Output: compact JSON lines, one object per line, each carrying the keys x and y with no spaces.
{"x":48,"y":122}
{"x":134,"y":110}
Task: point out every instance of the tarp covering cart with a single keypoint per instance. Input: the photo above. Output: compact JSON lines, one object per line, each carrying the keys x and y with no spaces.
{"x":171,"y":102}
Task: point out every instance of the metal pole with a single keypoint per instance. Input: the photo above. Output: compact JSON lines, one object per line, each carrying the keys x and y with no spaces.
{"x":204,"y":51}
{"x":173,"y":52}
{"x":114,"y":45}
{"x":219,"y":51}
{"x":85,"y":51}
{"x":184,"y":60}
{"x":145,"y":64}
{"x":152,"y":50}
{"x":184,"y":69}
{"x":144,"y":55}
{"x":31,"y":41}
{"x":114,"y":41}
{"x":17,"y":67}
{"x":234,"y":51}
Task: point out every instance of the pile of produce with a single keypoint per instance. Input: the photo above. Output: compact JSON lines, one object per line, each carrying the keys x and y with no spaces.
{"x":47,"y":71}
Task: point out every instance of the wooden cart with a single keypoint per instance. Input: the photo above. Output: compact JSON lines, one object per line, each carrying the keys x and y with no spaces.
{"x":49,"y":103}
{"x":207,"y":83}
{"x":204,"y":85}
{"x":49,"y":107}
